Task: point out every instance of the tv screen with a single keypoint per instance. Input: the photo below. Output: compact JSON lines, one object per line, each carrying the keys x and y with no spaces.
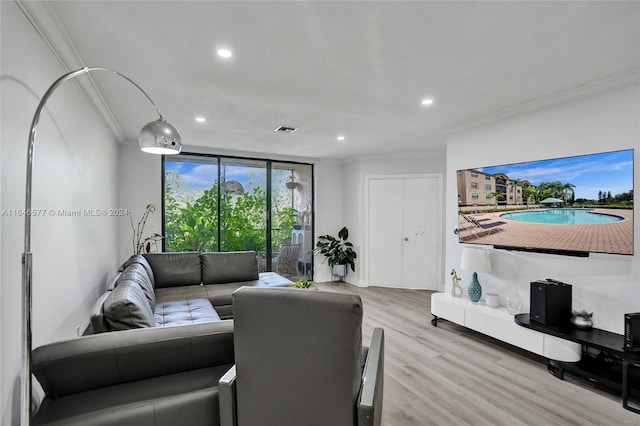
{"x":571,"y":205}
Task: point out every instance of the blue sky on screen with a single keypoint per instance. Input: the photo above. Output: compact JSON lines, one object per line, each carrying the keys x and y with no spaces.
{"x":609,"y":171}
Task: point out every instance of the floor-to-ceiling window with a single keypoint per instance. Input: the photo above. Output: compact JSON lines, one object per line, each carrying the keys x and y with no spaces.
{"x":215,"y":203}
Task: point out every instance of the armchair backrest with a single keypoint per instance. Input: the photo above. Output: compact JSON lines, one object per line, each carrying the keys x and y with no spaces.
{"x":298,"y":356}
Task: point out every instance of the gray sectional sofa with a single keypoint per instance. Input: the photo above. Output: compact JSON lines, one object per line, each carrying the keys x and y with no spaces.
{"x":170,"y":341}
{"x":168,"y":289}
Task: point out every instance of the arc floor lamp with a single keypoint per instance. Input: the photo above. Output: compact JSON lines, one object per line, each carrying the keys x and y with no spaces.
{"x":156,"y":137}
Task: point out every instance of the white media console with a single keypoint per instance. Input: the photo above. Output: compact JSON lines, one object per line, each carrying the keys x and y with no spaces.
{"x":499,"y":324}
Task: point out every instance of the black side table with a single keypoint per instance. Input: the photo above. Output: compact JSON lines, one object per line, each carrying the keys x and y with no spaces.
{"x":610,"y":346}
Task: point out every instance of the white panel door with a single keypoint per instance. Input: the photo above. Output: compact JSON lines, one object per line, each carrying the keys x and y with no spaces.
{"x":421,"y":248}
{"x":385,"y":258}
{"x":404,"y":238}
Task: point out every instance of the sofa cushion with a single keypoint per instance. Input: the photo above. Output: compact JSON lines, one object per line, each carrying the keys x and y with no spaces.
{"x":272,"y":279}
{"x":175,"y":269}
{"x":127,"y":307}
{"x":142,"y":261}
{"x":229,"y":267}
{"x":184,"y":312}
{"x":98,"y":321}
{"x":138,"y":274}
{"x":180,"y":293}
{"x":220,"y":294}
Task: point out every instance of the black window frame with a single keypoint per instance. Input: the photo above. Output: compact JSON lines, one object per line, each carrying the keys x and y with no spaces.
{"x":268,"y":162}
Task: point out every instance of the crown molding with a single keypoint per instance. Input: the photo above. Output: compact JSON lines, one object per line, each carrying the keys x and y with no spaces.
{"x":609,"y":84}
{"x":46,"y":23}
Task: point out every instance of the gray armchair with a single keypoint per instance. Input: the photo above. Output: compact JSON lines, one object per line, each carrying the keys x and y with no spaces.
{"x":299,"y":360}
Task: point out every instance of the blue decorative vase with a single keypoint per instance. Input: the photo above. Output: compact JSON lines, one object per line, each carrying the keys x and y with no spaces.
{"x":474,"y":290}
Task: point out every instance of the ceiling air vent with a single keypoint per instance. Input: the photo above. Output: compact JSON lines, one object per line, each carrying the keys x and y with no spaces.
{"x":284,"y":129}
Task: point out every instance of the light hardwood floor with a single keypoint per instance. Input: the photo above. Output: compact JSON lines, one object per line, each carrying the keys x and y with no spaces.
{"x":449,"y":375}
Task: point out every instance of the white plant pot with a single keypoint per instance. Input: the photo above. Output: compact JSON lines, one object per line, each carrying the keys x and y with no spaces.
{"x":339,"y":270}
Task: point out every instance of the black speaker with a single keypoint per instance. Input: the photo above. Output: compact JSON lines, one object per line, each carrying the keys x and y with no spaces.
{"x":632,"y":332}
{"x":550,"y":302}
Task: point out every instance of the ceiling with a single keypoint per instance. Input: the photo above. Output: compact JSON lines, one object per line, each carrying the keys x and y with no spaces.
{"x":358,"y":69}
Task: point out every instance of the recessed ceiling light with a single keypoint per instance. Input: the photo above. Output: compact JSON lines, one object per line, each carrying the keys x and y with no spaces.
{"x":224,"y":53}
{"x":340,"y":138}
{"x":427,"y":101}
{"x":201,"y":119}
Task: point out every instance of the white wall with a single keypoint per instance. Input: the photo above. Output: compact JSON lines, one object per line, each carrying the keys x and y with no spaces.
{"x":139,"y":184}
{"x":354,"y":174}
{"x":75,"y":163}
{"x":328,"y":209}
{"x":607,"y":285}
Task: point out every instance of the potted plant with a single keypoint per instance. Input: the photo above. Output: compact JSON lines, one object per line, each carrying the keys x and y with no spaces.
{"x":141,"y":244}
{"x":338,"y":251}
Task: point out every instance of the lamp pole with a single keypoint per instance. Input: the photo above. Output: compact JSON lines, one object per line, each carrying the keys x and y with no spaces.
{"x":169,"y":141}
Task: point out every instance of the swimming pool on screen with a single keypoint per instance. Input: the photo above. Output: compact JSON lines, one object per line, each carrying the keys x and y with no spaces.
{"x":562,"y":217}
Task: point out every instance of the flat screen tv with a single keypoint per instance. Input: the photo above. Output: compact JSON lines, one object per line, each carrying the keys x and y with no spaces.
{"x":572,"y":205}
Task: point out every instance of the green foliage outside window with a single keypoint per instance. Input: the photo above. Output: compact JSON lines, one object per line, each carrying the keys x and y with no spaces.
{"x":191,"y":225}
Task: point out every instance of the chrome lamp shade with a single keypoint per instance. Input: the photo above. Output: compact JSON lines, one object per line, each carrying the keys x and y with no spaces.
{"x":160,"y":137}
